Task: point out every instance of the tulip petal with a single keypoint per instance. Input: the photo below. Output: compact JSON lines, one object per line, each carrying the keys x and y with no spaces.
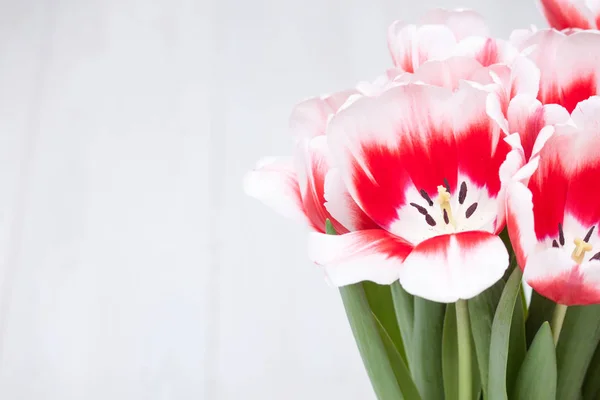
{"x":528,"y":117}
{"x":578,"y":78}
{"x":449,"y":73}
{"x":569,"y":64}
{"x":274,"y":182}
{"x":549,"y":186}
{"x":451,"y":267}
{"x":309,"y":117}
{"x":519,"y":221}
{"x":341,"y":205}
{"x":411,"y":45}
{"x":370,"y":255}
{"x":553,"y":274}
{"x":543,"y":46}
{"x":511,"y":167}
{"x":487,"y":51}
{"x":582,"y":196}
{"x":312,"y":158}
{"x":563,"y":14}
{"x":474,"y":129}
{"x":524,"y":77}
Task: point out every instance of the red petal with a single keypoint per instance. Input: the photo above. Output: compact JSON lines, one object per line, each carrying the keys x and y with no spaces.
{"x":373,"y":255}
{"x":549,"y":185}
{"x":519,"y":221}
{"x":480,"y":150}
{"x":451,"y":267}
{"x":553,"y":274}
{"x":582,"y":199}
{"x":528,"y":117}
{"x":571,"y":94}
{"x":563,"y":14}
{"x":312,"y":169}
{"x":569,"y":170}
{"x":489,"y":53}
{"x":569,"y":66}
{"x":569,"y":289}
{"x":342,"y":207}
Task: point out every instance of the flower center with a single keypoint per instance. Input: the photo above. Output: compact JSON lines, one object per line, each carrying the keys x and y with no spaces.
{"x":581,"y":247}
{"x":451,"y":216}
{"x":444,"y":201}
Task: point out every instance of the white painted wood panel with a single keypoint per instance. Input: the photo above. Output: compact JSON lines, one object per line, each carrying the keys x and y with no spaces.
{"x":108,"y":294}
{"x":133,"y":267}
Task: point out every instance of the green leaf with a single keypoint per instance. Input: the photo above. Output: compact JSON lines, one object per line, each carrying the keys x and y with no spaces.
{"x":329,"y":229}
{"x":370,"y":344}
{"x":368,"y":337}
{"x":481,"y":314}
{"x":407,"y":386}
{"x":517,"y":347}
{"x":450,"y":354}
{"x":405,"y":314}
{"x":500,"y":339}
{"x":591,"y":386}
{"x":537,"y":376}
{"x":512,"y":258}
{"x":523,"y":304}
{"x":578,"y":340}
{"x":426,"y":353}
{"x":380,"y":301}
{"x":540,"y":311}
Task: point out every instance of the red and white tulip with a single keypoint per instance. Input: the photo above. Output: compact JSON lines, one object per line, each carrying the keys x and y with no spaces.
{"x":424,"y":163}
{"x":441,"y":34}
{"x":554,"y":215}
{"x":569,"y":64}
{"x":295,"y":186}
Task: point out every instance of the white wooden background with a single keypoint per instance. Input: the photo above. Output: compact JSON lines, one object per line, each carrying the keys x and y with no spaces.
{"x":132,"y":265}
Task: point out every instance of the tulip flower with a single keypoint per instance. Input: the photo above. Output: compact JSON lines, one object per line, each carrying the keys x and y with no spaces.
{"x":444,"y":33}
{"x":565,"y":14}
{"x":553,"y":219}
{"x":569,"y":64}
{"x":425,"y":164}
{"x":295,"y":186}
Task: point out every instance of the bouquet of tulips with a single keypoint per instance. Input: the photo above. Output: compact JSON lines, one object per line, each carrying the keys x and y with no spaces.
{"x":455,"y":202}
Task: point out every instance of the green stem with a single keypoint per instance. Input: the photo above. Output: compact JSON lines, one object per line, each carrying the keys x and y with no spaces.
{"x":370,"y":344}
{"x":465,"y":371}
{"x":558,"y":317}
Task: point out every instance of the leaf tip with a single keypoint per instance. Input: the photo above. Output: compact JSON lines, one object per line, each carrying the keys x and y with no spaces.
{"x":329,"y":229}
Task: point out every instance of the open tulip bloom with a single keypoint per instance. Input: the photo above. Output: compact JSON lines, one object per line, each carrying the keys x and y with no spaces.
{"x":455,"y":203}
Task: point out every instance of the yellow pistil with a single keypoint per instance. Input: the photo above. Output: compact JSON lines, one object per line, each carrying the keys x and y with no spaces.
{"x":581,"y":247}
{"x":444,"y":200}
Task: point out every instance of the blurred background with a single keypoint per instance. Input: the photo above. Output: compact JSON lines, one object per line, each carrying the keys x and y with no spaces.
{"x":132,"y":266}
